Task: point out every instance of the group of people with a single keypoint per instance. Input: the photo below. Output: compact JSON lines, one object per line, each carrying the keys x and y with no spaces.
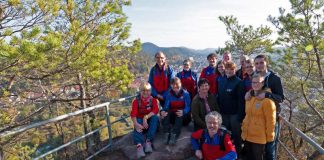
{"x":234,"y":111}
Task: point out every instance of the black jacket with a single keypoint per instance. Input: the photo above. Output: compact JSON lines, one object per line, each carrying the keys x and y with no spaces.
{"x":239,"y":73}
{"x":273,"y":82}
{"x":230,"y":96}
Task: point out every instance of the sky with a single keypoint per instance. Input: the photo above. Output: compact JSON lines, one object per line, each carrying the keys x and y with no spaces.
{"x":194,"y":23}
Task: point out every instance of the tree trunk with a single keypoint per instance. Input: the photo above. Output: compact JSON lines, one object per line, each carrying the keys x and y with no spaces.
{"x":318,"y":61}
{"x":92,"y":116}
{"x":85,"y":116}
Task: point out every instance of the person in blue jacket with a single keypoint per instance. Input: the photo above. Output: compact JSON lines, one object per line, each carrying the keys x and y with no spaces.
{"x":231,"y":103}
{"x":159,"y":78}
{"x":188,"y":78}
{"x":177,"y":105}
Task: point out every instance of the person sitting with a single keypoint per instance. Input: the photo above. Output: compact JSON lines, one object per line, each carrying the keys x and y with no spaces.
{"x":203,"y":103}
{"x":214,"y":142}
{"x":144,"y":116}
{"x":258,"y":126}
{"x":177,"y":105}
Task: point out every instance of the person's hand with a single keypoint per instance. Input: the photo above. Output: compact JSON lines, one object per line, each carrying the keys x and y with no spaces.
{"x":139,"y":127}
{"x":179,"y":113}
{"x":248,"y":95}
{"x":145,"y":124}
{"x":160,"y":97}
{"x":260,"y":96}
{"x":164,"y":114}
{"x":198,"y":154}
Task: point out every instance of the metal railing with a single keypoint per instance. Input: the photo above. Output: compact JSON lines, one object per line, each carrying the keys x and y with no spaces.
{"x":106,"y":105}
{"x":65,"y":116}
{"x":302,"y":135}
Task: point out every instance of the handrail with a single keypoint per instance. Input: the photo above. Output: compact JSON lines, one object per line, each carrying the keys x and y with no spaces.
{"x":303,"y":135}
{"x":65,"y":116}
{"x":59,"y":118}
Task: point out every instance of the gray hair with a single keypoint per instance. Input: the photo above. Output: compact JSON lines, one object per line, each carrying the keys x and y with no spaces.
{"x":216,"y":115}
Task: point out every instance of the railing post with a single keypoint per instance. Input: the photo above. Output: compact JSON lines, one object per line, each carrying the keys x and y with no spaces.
{"x":108,"y":124}
{"x":1,"y":154}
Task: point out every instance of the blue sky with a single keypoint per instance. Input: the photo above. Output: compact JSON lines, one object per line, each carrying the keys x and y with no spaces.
{"x":194,"y":23}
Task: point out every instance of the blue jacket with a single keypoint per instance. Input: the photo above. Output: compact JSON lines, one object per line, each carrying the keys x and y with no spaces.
{"x":160,"y":83}
{"x":231,"y":96}
{"x":173,"y":101}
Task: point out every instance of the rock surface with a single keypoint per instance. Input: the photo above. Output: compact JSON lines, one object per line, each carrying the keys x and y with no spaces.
{"x":125,"y":149}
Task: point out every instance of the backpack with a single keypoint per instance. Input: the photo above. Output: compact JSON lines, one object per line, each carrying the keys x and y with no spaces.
{"x":138,"y":97}
{"x":223,"y":132}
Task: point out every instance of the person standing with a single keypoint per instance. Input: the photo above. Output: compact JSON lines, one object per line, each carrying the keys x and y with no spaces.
{"x":220,"y":73}
{"x":241,"y":73}
{"x":209,"y":73}
{"x":259,"y":122}
{"x":160,"y":77}
{"x":227,"y":57}
{"x":247,"y":81}
{"x":230,"y":98}
{"x":273,"y":82}
{"x":188,"y":78}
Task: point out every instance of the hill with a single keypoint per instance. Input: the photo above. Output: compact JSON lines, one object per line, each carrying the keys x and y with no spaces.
{"x":150,"y":49}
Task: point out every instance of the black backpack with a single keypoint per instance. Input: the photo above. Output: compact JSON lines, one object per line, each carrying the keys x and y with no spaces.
{"x":223,"y":132}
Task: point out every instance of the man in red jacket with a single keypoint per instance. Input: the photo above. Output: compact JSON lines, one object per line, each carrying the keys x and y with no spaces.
{"x":145,"y":119}
{"x":210,"y":73}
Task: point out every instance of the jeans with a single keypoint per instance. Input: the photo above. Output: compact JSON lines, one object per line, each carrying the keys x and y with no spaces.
{"x":271,"y":147}
{"x":138,"y":137}
{"x":232,"y":123}
{"x":172,"y":118}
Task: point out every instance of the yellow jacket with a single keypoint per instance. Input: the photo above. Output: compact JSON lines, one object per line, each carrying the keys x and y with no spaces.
{"x":259,"y":122}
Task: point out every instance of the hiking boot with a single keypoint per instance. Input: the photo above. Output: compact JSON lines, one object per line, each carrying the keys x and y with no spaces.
{"x":166,"y":138}
{"x":148,"y":147}
{"x":173,"y":139}
{"x":140,"y":152}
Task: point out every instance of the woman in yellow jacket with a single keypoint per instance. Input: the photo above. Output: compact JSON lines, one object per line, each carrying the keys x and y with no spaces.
{"x":259,"y":122}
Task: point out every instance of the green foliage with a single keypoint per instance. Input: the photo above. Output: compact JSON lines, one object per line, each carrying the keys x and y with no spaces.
{"x":66,"y":44}
{"x":301,"y":66}
{"x":246,"y":39}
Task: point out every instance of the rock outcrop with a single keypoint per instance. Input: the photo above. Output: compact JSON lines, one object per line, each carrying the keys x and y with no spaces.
{"x":125,"y":149}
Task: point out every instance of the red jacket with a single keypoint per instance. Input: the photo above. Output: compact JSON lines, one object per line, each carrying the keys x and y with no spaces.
{"x":144,"y":109}
{"x":210,"y":74}
{"x":211,"y":146}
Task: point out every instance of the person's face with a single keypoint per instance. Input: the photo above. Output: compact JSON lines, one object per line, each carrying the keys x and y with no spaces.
{"x":242,"y":61}
{"x":176,"y":86}
{"x":146,"y":93}
{"x":186,"y":66}
{"x":260,"y":65}
{"x":221,"y":68}
{"x":257,"y":83}
{"x":212,"y":125}
{"x":227,"y":57}
{"x":204,"y":88}
{"x":212,"y":61}
{"x":249,"y":68}
{"x":160,"y":59}
{"x":230,"y":72}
